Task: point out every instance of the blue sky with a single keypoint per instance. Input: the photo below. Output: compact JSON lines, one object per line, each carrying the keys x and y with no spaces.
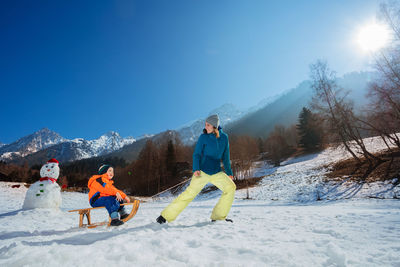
{"x":82,"y":68}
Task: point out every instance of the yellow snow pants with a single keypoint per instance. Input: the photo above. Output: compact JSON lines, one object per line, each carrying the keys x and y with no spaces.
{"x":221,"y":210}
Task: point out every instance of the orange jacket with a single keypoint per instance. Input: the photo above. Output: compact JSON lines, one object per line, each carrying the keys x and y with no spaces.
{"x":102,"y":186}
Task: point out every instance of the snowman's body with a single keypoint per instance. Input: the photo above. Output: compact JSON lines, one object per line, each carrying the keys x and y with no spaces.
{"x":45,"y":193}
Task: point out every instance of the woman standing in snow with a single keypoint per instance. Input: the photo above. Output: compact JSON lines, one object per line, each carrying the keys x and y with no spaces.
{"x":212,"y":147}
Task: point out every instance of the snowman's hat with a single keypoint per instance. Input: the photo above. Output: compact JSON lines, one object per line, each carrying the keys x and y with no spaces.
{"x":53,"y":160}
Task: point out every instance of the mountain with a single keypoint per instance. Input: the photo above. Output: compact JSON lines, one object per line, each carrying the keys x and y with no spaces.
{"x":257,"y":121}
{"x":284,"y":110}
{"x":131,"y":152}
{"x":69,"y":150}
{"x":356,"y":83}
{"x":266,"y":101}
{"x":1,"y":144}
{"x":191,"y":131}
{"x":32,"y":143}
{"x":228,"y":114}
{"x":144,"y":136}
{"x":108,"y":145}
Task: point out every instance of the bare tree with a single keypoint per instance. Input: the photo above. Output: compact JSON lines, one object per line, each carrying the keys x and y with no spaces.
{"x":332,"y":104}
{"x":277,"y":144}
{"x":243,"y":150}
{"x":146,"y":168}
{"x":292,"y":136}
{"x":384,"y":92}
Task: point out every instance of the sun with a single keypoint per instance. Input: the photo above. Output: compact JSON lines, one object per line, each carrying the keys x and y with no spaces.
{"x":373,"y":37}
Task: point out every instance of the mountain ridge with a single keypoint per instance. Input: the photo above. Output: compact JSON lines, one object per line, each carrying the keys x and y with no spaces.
{"x":256,"y":121}
{"x":47,"y":140}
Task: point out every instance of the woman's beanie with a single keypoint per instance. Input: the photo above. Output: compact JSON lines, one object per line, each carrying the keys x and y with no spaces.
{"x":213,"y":120}
{"x":104,"y":168}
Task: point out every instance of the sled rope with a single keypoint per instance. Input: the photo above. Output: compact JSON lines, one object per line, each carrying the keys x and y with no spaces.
{"x":171,"y":188}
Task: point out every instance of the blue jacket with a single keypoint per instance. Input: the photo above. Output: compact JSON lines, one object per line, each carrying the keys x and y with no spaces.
{"x":209,"y":152}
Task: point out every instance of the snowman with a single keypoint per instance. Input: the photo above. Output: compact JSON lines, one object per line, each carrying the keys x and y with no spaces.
{"x":45,"y":193}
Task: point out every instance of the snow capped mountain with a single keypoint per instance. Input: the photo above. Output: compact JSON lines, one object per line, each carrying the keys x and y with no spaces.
{"x":228,"y":113}
{"x":45,"y":144}
{"x":1,"y":144}
{"x":144,"y":136}
{"x":191,"y":131}
{"x":105,"y":144}
{"x":37,"y":141}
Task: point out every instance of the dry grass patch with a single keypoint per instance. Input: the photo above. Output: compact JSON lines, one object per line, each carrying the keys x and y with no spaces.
{"x":387,"y":169}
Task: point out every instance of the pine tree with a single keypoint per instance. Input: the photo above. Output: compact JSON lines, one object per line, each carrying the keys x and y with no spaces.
{"x":309,"y":131}
{"x":170,"y":159}
{"x":260,"y":143}
{"x":146,"y":166}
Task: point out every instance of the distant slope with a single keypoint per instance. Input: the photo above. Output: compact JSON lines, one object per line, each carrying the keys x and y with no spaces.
{"x":228,"y":113}
{"x":282,"y":111}
{"x":191,"y":131}
{"x":285,"y":110}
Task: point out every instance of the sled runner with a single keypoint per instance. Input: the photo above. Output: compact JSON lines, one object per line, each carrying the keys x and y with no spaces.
{"x":86,"y":212}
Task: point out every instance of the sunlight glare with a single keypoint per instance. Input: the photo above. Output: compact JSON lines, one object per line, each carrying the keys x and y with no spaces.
{"x":373,"y":37}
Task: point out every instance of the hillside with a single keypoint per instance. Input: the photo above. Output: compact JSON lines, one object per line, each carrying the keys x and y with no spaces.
{"x":308,"y":179}
{"x":285,"y":109}
{"x":305,"y":178}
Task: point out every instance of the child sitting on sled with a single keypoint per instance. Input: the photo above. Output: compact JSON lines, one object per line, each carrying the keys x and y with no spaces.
{"x":103,"y":193}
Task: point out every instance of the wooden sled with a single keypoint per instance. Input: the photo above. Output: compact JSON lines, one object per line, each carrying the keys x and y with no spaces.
{"x":86,"y":212}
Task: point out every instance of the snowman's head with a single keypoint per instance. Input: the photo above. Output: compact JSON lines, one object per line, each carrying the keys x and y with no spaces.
{"x":50,"y":169}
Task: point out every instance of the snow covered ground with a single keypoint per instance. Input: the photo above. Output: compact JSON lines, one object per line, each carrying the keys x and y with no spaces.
{"x":358,"y":232}
{"x":302,"y":179}
{"x":282,"y":226}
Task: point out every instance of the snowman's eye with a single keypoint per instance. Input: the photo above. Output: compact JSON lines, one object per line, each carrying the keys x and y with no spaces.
{"x":52,"y":167}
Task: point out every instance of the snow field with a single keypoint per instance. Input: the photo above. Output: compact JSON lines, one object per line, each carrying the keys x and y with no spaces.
{"x":282,"y":226}
{"x":362,"y":232}
{"x":302,"y":179}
